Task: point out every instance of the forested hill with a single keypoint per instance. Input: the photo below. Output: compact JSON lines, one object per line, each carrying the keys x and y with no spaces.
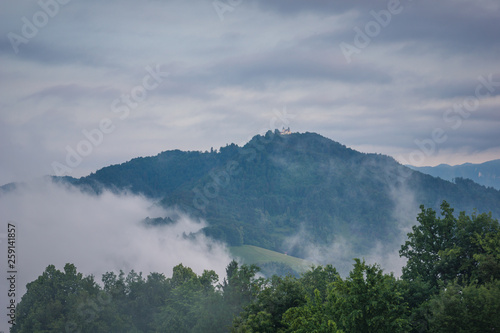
{"x":278,"y":186}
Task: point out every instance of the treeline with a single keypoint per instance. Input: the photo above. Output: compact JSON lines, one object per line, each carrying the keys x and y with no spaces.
{"x":451,"y":283}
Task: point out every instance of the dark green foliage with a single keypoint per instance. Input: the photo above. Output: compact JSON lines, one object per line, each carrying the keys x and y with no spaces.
{"x":320,"y":301}
{"x":319,"y":278}
{"x":269,"y":269}
{"x":440,"y":250}
{"x":158,"y":221}
{"x":313,"y":317}
{"x":179,"y":312}
{"x":265,"y":314}
{"x":285,"y":304}
{"x":368,"y":301}
{"x":240,"y":287}
{"x":186,"y":302}
{"x":488,"y":258}
{"x":52,"y":301}
{"x":450,"y":284}
{"x":446,"y":253}
{"x":473,"y":308}
{"x":231,"y":235}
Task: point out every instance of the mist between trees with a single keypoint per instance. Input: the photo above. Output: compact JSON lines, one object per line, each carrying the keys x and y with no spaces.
{"x":450,"y":283}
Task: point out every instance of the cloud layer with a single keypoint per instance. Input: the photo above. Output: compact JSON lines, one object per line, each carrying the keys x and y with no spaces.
{"x":230,"y":68}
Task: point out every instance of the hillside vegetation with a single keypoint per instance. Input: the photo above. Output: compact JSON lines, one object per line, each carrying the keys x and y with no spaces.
{"x":451,"y":283}
{"x":278,"y":186}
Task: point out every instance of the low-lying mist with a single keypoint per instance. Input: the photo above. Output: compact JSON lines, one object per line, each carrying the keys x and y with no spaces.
{"x":341,"y":252}
{"x":58,"y":224}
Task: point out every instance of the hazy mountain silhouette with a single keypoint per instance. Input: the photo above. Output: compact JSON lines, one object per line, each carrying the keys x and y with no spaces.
{"x":487,"y":173}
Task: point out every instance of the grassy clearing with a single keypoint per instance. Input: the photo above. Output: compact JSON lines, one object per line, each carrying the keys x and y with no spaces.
{"x":250,"y":254}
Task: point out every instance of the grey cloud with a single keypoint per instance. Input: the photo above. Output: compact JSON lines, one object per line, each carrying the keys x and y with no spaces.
{"x":72,"y":91}
{"x":425,"y":27}
{"x":228,"y":75}
{"x":448,"y":88}
{"x":447,"y":27}
{"x":321,"y":7}
{"x":293,"y":64}
{"x":51,"y":52}
{"x":473,"y":136}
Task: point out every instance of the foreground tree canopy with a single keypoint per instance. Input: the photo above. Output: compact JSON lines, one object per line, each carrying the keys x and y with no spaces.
{"x":451,"y":283}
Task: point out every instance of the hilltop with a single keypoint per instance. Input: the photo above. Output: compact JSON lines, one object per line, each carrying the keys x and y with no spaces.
{"x":286,"y":192}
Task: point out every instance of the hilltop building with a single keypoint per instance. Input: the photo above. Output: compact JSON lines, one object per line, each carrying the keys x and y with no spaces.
{"x":285,"y":131}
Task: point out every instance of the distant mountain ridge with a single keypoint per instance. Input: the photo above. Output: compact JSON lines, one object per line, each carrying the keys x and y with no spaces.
{"x":286,"y":192}
{"x":487,"y":173}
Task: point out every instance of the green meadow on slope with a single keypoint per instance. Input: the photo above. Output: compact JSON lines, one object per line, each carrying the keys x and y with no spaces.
{"x":259,"y":256}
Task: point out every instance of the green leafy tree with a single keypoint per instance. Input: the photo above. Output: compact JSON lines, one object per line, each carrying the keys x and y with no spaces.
{"x":213,"y":315}
{"x":488,"y":259}
{"x":319,"y":278}
{"x":50,"y":302}
{"x":440,"y":250}
{"x":241,"y":286}
{"x":444,"y":250}
{"x":473,"y":308}
{"x":266,"y":312}
{"x":313,"y":317}
{"x":254,"y":322}
{"x":187,"y":289}
{"x":425,"y":242}
{"x":368,"y":301}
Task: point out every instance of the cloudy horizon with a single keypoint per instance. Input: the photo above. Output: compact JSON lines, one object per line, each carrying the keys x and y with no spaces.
{"x":107,"y":82}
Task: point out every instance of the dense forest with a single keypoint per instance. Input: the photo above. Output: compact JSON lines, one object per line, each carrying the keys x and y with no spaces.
{"x":264,"y":192}
{"x":450,"y":283}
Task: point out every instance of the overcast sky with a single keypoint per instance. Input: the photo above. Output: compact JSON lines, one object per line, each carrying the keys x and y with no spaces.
{"x":86,"y":84}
